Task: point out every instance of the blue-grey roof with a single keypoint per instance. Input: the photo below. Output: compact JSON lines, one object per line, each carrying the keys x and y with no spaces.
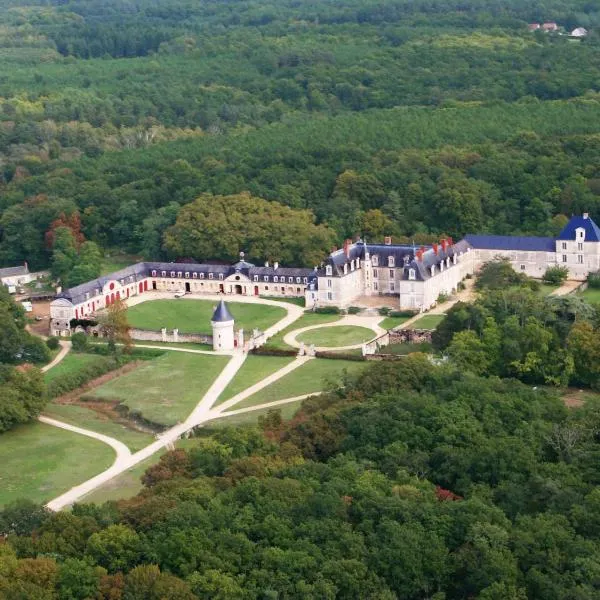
{"x":510,"y":242}
{"x":221,"y":313}
{"x":592,"y":231}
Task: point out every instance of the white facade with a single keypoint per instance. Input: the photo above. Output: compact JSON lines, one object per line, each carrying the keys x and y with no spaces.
{"x":223,"y":335}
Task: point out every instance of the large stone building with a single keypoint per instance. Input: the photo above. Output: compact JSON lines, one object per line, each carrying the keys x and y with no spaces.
{"x":413,"y":278}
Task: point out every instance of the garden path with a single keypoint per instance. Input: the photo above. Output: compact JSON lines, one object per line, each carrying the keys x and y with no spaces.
{"x":65,"y":347}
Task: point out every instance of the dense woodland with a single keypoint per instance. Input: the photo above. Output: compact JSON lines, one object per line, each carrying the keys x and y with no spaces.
{"x":411,"y":118}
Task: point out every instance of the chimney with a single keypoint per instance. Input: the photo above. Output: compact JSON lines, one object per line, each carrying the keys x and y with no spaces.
{"x":435,"y":248}
{"x":422,"y":250}
{"x":449,"y":240}
{"x":347,"y":244}
{"x":387,"y":240}
{"x":586,"y":215}
{"x":444,"y":244}
{"x":275,"y":265}
{"x":419,"y":255}
{"x":266,"y":263}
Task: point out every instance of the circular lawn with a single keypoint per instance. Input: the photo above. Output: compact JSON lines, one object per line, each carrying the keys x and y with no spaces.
{"x":336,"y":336}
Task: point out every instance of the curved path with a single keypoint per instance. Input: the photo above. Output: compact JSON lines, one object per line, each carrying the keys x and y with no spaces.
{"x":239,"y":411}
{"x":355,"y":320}
{"x":65,"y":347}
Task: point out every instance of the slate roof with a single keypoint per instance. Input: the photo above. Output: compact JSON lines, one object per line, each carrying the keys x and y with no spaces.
{"x":511,"y":242}
{"x":592,"y":231}
{"x":221,"y":314}
{"x":12,"y":271}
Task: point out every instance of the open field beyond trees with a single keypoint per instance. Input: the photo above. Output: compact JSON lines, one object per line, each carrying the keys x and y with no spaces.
{"x":164,"y":390}
{"x":40,"y":461}
{"x":193,"y":316}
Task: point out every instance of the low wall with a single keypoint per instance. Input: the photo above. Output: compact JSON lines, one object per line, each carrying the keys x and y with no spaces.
{"x":410,"y":336}
{"x":149,"y":335}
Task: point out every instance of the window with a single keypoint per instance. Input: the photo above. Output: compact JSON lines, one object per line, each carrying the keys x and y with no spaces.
{"x":328,"y":270}
{"x":153,"y":273}
{"x":210,"y":275}
{"x":163,"y":273}
{"x":580,"y":246}
{"x":580,"y":259}
{"x":194,"y":275}
{"x":391,"y":273}
{"x":375,"y":286}
{"x":345,"y":268}
{"x":564,"y":245}
{"x":256,"y":278}
{"x":266,"y":278}
{"x":352,"y":265}
{"x":290,"y":280}
{"x":564,"y":258}
{"x":522,"y":267}
{"x":392,"y":286}
{"x":329,"y":296}
{"x":298,"y":279}
{"x":221,"y":276}
{"x":375,"y":273}
{"x":412,"y":274}
{"x":391,"y":261}
{"x":187,"y":275}
{"x":179,"y":274}
{"x":305,"y":280}
{"x":201,"y":275}
{"x":172,"y":273}
{"x":375,"y":260}
{"x":329,"y":283}
{"x":275,"y":278}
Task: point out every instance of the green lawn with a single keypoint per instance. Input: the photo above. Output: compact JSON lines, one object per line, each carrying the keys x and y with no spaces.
{"x":391,"y":322}
{"x":254,"y":369}
{"x":310,"y":377}
{"x":90,"y":419}
{"x":117,"y":261}
{"x":546,"y":289}
{"x":251,"y":418}
{"x":591,"y":295}
{"x":71,"y":363}
{"x":338,"y":335}
{"x":306,"y":320}
{"x":164,"y":390}
{"x":298,"y":301}
{"x":428,"y":322}
{"x":129,"y":483}
{"x":403,"y":349}
{"x":193,"y":316}
{"x":40,"y":462}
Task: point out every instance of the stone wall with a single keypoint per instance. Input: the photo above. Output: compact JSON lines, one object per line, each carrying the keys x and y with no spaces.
{"x":174,"y":336}
{"x":410,"y":336}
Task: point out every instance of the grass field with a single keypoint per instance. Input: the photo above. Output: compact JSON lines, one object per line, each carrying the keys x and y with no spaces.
{"x":254,"y":369}
{"x":306,"y":320}
{"x":307,"y":379}
{"x":193,"y":316}
{"x":428,"y":322}
{"x":591,"y":295}
{"x":90,"y":419}
{"x":391,"y":322}
{"x":39,"y":462}
{"x":164,"y":390}
{"x":251,"y":418}
{"x":338,"y":335}
{"x":403,"y":349}
{"x":71,"y":363}
{"x":117,"y":261}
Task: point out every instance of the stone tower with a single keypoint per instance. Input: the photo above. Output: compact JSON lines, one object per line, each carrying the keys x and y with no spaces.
{"x":222,"y":328}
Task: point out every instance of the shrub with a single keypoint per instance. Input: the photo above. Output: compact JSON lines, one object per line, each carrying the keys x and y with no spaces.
{"x":71,"y":381}
{"x":339,"y":356}
{"x":267,"y":350}
{"x":328,"y":310}
{"x":402,"y":313}
{"x":52,"y":343}
{"x":556,"y":275}
{"x":594,"y":280}
{"x":80,"y":342}
{"x":354,"y":310}
{"x":535,"y":285}
{"x":442,"y":297}
{"x":384,"y":311}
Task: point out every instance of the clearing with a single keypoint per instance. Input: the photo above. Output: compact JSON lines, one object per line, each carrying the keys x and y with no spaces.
{"x":193,"y":316}
{"x":164,"y":390}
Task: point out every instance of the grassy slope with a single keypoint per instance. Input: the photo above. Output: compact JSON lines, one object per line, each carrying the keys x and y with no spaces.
{"x":592,"y":295}
{"x":340,"y":335}
{"x":71,"y":363}
{"x":164,"y":390}
{"x":391,"y":322}
{"x":90,"y":419}
{"x":254,"y":369}
{"x":428,"y":322}
{"x":309,"y":378}
{"x":195,"y":315}
{"x":39,"y":461}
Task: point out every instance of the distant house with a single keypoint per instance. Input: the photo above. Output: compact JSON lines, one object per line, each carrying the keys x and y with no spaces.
{"x":533,"y":26}
{"x":14,"y":277}
{"x":579,"y":32}
{"x":550,"y":26}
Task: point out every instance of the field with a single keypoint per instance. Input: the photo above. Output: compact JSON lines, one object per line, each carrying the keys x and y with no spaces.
{"x":428,"y":322}
{"x":164,"y":390}
{"x":254,"y":369}
{"x":403,"y":349}
{"x":338,"y":335}
{"x":88,"y":418}
{"x":391,"y":322}
{"x":307,"y":379}
{"x":193,"y":316}
{"x":40,"y":462}
{"x":306,"y":320}
{"x":251,"y":417}
{"x":592,"y":295}
{"x":71,"y":363}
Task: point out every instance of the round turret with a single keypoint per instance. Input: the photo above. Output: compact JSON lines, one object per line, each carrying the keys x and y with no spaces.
{"x":222,"y":327}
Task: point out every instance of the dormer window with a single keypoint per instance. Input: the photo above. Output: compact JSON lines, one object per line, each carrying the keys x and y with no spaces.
{"x":221,"y":276}
{"x":432,"y":270}
{"x":328,"y":270}
{"x":256,"y":278}
{"x":163,"y":273}
{"x":375,"y":260}
{"x":412,"y":274}
{"x":298,"y":280}
{"x":153,"y":273}
{"x":179,"y":274}
{"x":172,"y":273}
{"x":345,"y":268}
{"x":275,"y":278}
{"x":290,"y":280}
{"x":210,"y":275}
{"x":266,"y":278}
{"x":391,"y":261}
{"x":305,"y":280}
{"x":187,"y":275}
{"x":201,"y":275}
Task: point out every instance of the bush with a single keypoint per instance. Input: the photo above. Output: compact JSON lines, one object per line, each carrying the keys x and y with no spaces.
{"x":384,"y":311}
{"x":267,"y":350}
{"x":556,"y":275}
{"x":461,"y":286}
{"x":354,"y":310}
{"x":340,"y":356}
{"x":442,"y":297}
{"x":52,"y":343}
{"x":594,"y":280}
{"x":80,"y":342}
{"x":398,"y":314}
{"x":535,"y":285}
{"x":35,"y":350}
{"x":328,"y":310}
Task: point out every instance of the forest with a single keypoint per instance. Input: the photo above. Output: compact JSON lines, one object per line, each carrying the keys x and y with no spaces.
{"x":413,"y":119}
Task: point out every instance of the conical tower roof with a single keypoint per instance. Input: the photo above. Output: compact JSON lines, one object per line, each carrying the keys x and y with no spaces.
{"x":221,"y":313}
